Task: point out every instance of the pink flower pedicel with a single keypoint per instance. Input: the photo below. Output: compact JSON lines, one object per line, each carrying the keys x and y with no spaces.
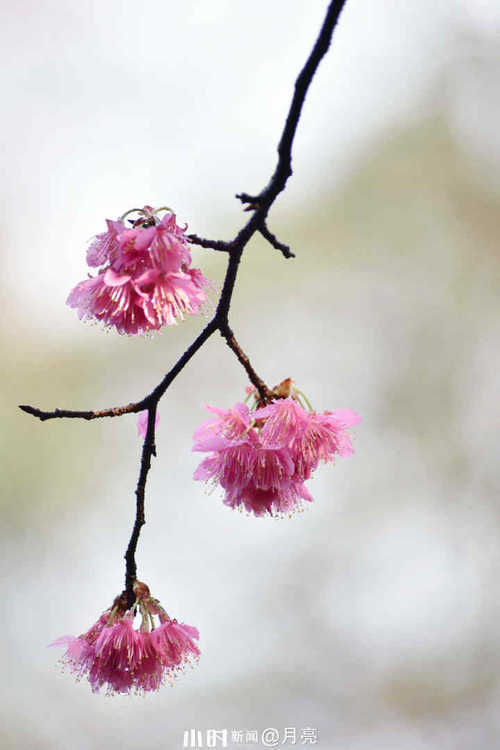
{"x":145,"y":281}
{"x":114,"y":655}
{"x":142,"y":422}
{"x":262,"y":458}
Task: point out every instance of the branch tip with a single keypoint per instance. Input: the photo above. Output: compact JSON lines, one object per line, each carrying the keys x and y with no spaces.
{"x":219,"y":245}
{"x":274,"y":241}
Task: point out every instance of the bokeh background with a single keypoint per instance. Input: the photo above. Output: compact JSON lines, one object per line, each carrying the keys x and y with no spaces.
{"x":373,"y":616}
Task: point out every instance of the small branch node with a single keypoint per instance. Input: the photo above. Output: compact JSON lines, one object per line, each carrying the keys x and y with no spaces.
{"x":253,"y":201}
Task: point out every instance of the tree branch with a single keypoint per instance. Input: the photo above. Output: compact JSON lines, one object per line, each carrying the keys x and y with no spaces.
{"x":283,"y":171}
{"x":274,"y":241}
{"x":220,"y":245}
{"x":148,"y":450}
{"x":260,"y":206}
{"x":116,"y":411}
{"x":264,"y":392}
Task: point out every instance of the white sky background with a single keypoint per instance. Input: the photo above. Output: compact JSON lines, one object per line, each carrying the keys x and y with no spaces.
{"x":108,"y":105}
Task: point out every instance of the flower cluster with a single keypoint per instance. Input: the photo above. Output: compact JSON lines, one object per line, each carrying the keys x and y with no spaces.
{"x":112,"y":653}
{"x":262,"y":458}
{"x":145,"y":281}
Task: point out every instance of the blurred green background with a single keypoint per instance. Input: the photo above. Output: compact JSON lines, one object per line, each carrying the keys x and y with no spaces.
{"x":373,"y":616}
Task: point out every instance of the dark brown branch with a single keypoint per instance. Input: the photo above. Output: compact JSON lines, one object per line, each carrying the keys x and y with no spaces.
{"x":262,"y":202}
{"x":274,"y":241}
{"x":284,"y":167}
{"x":224,"y":247}
{"x":116,"y":411}
{"x":160,"y":389}
{"x":145,"y":403}
{"x":148,"y":450}
{"x":260,"y":206}
{"x":264,"y":392}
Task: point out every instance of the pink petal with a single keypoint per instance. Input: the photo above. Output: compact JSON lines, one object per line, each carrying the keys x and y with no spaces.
{"x":144,"y":238}
{"x":62,"y":642}
{"x":344,"y":417}
{"x":142,"y":422}
{"x":112,"y":278}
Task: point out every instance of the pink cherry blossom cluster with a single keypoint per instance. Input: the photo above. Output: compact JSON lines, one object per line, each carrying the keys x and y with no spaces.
{"x":262,"y":458}
{"x":145,"y":281}
{"x":113,"y":654}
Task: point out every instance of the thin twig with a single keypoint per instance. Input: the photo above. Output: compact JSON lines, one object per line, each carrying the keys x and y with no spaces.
{"x":274,"y":241}
{"x":264,"y":392}
{"x":148,"y":450}
{"x":224,"y":247}
{"x":116,"y":411}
